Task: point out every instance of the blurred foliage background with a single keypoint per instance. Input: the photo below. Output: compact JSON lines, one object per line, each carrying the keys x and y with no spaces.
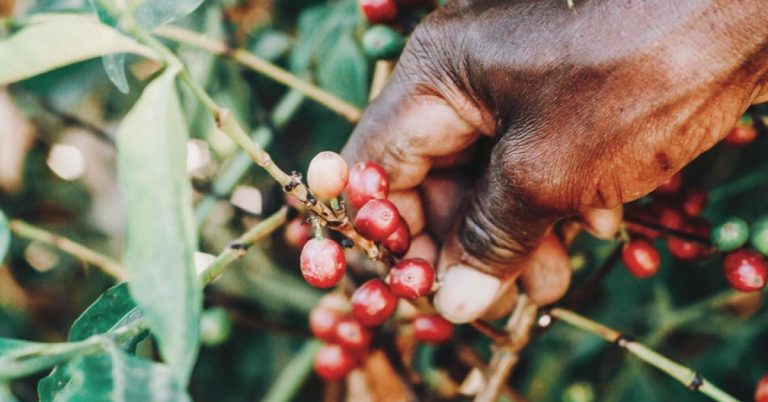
{"x":57,"y":170}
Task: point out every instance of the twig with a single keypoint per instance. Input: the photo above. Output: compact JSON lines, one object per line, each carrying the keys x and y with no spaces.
{"x":669,"y":231}
{"x":107,"y":265}
{"x":72,"y":120}
{"x":498,"y":336}
{"x":325,"y":98}
{"x":506,"y":356}
{"x":293,"y":375}
{"x":691,"y":379}
{"x":381,"y":73}
{"x":590,"y":286}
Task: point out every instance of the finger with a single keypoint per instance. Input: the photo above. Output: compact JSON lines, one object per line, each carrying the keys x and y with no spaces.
{"x":408,"y":203}
{"x":443,"y":193}
{"x":548,"y":273}
{"x":422,"y":246}
{"x":603,"y":223}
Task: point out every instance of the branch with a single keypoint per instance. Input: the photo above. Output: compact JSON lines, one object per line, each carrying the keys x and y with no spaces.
{"x":691,"y":379}
{"x":107,"y":265}
{"x":325,"y":98}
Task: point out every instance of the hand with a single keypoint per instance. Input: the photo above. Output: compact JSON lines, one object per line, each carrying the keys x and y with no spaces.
{"x":503,"y":117}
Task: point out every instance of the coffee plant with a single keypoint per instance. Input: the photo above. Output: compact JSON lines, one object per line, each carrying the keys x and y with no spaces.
{"x":176,"y":225}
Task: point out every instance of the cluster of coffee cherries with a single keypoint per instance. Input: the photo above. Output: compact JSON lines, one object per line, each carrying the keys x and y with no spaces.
{"x":346,"y":325}
{"x":677,"y":209}
{"x":390,"y":18}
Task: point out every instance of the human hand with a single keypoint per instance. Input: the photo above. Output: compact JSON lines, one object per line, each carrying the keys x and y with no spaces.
{"x":503,"y":117}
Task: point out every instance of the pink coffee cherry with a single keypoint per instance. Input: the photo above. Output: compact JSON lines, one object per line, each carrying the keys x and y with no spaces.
{"x":367,"y":181}
{"x":432,"y":329}
{"x":377,"y":220}
{"x":327,"y":175}
{"x":373,"y":303}
{"x":411,"y":278}
{"x":322,"y":263}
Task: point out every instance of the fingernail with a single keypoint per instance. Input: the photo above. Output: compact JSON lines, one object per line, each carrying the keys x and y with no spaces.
{"x":465,"y":294}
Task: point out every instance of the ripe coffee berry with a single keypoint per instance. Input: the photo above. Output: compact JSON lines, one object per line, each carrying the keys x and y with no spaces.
{"x":759,"y":235}
{"x":741,"y":134}
{"x":399,"y":241}
{"x":352,"y":335}
{"x":367,"y":181}
{"x":323,"y":322}
{"x":641,"y":258}
{"x":322,"y":263}
{"x":327,"y":175}
{"x":297,"y":232}
{"x":670,"y":187}
{"x":761,"y":390}
{"x":689,"y":250}
{"x":333,"y":362}
{"x":411,"y":278}
{"x":694,"y":202}
{"x":377,"y":219}
{"x":432,"y":329}
{"x":730,"y":235}
{"x":378,"y":11}
{"x":745,"y":270}
{"x":373,"y":303}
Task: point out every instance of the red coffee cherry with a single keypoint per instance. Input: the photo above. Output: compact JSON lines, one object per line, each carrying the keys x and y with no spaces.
{"x":670,"y":187}
{"x":641,"y":258}
{"x":378,"y":11}
{"x":327,"y":175}
{"x":333,"y":362}
{"x":297,"y":232}
{"x":373,"y":303}
{"x":761,"y":390}
{"x":322,"y":263}
{"x":746,"y":270}
{"x":432,"y":329}
{"x":741,"y":134}
{"x":377,"y":220}
{"x":689,"y":250}
{"x":694,"y":202}
{"x":411,"y":278}
{"x":367,"y":181}
{"x":323,"y":322}
{"x":399,"y":241}
{"x":352,"y":335}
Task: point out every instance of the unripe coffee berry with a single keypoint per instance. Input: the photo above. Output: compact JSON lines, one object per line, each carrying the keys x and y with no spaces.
{"x":215,"y":326}
{"x":381,"y":42}
{"x":432,"y":329}
{"x":367,"y":181}
{"x":378,"y":11}
{"x":333,"y":362}
{"x":399,"y":241}
{"x":759,"y":235}
{"x":297,"y":232}
{"x":323,"y":322}
{"x":745,"y":270}
{"x":327,"y":175}
{"x":730,"y":235}
{"x":377,"y":219}
{"x":373,"y":303}
{"x":322,"y":263}
{"x":761,"y":390}
{"x":352,"y":335}
{"x":641,"y":258}
{"x":411,"y":278}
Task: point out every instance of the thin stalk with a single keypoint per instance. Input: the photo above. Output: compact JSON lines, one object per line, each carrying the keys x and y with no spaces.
{"x":107,"y":265}
{"x":293,"y":375}
{"x":691,"y":379}
{"x":325,"y":98}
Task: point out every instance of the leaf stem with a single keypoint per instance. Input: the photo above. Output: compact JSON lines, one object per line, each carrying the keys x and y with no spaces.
{"x":293,"y":375}
{"x":691,"y":379}
{"x":107,"y":265}
{"x":325,"y":98}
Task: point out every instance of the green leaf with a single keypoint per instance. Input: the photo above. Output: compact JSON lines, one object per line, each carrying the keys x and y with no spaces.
{"x":50,"y":43}
{"x":344,"y":70}
{"x":118,"y":376}
{"x":319,"y":29}
{"x":160,"y":232}
{"x":5,"y":236}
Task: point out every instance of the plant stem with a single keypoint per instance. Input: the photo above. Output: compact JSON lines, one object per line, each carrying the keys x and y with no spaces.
{"x":684,"y":375}
{"x":325,"y":98}
{"x":292,"y":376}
{"x":107,"y":265}
{"x":703,"y":240}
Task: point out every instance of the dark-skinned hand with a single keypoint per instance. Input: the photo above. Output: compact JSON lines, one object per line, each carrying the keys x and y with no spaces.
{"x":503,"y":117}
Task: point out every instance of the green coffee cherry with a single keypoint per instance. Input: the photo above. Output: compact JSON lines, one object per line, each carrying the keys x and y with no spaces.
{"x":215,"y":326}
{"x":759,"y":235}
{"x":381,"y":42}
{"x":730,"y":234}
{"x":579,"y":392}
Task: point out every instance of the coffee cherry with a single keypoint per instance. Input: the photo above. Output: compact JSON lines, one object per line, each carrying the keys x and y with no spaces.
{"x":745,"y":270}
{"x":741,"y":134}
{"x":333,"y":362}
{"x":689,"y":250}
{"x":411,"y":278}
{"x":432,"y":329}
{"x":378,"y":11}
{"x":323,"y":322}
{"x":352,"y":335}
{"x":670,"y":187}
{"x":399,"y":241}
{"x":730,"y":235}
{"x":641,"y":258}
{"x":327,"y":175}
{"x":381,"y":42}
{"x":377,"y":219}
{"x":215,"y":326}
{"x":761,"y":390}
{"x":694,"y":202}
{"x":367,"y":181}
{"x":373,"y":303}
{"x":322,"y":263}
{"x":759,"y":235}
{"x":297,"y":233}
